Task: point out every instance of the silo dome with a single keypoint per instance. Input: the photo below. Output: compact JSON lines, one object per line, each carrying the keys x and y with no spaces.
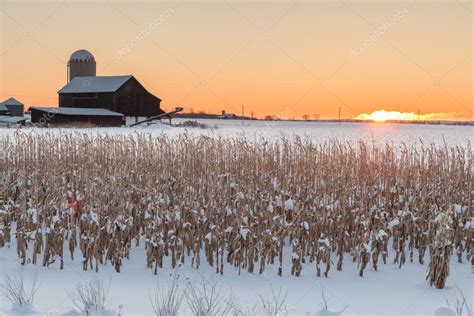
{"x":81,"y":64}
{"x":82,"y":55}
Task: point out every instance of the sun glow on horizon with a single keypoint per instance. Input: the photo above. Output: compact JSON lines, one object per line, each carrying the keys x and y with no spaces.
{"x":382,"y":116}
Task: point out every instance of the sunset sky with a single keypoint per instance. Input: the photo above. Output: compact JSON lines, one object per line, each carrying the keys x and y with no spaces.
{"x":282,"y":58}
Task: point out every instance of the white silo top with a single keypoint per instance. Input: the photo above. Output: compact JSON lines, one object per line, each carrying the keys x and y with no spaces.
{"x":82,"y":55}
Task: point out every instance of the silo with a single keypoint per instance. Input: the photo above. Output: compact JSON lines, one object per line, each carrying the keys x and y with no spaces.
{"x":81,"y":64}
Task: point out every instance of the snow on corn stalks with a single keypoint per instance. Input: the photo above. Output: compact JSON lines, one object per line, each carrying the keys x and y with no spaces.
{"x":232,"y":202}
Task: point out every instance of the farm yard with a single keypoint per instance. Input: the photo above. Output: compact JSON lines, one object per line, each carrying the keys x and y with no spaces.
{"x":269,"y":225}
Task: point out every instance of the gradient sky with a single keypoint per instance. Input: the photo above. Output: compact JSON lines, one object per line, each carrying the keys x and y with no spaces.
{"x":283,"y":58}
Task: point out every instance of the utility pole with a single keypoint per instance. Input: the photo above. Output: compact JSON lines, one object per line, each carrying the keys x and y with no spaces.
{"x":339,"y":115}
{"x":242,"y":117}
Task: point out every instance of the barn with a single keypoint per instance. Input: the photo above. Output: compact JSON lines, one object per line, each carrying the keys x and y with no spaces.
{"x":99,"y":117}
{"x":122,"y":94}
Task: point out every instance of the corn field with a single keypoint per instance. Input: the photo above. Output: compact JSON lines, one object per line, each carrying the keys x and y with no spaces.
{"x":234,"y":203}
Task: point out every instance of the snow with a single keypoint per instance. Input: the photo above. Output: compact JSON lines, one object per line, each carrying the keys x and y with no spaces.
{"x":444,"y":311}
{"x":393,"y":223}
{"x":396,"y":134}
{"x":270,"y":208}
{"x":469,"y":224}
{"x":92,"y":84}
{"x":244,"y":232}
{"x":458,"y":208}
{"x":388,"y":291}
{"x":11,"y":101}
{"x":278,"y":201}
{"x":289,"y":205}
{"x":305,"y":225}
{"x":94,"y":218}
{"x":324,"y":241}
{"x":156,"y":126}
{"x":381,"y":234}
{"x":18,"y":309}
{"x":77,"y":111}
{"x":326,"y":312}
{"x":11,"y":119}
{"x":33,"y":214}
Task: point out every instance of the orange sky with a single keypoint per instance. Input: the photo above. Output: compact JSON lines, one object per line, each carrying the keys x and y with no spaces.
{"x":283,"y":58}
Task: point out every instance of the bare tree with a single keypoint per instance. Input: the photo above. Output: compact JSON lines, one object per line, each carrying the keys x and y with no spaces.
{"x":90,"y":296}
{"x":325,"y":310}
{"x":460,"y":303}
{"x":247,"y":309}
{"x":207,"y":298}
{"x":166,"y":301}
{"x":18,"y":290}
{"x":274,"y":305}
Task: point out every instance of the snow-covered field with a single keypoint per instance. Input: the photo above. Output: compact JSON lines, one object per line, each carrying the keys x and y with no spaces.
{"x":321,"y":131}
{"x":388,"y":291}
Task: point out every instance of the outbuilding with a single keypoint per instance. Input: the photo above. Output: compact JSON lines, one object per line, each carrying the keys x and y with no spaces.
{"x":4,"y":110}
{"x":12,"y":120}
{"x":100,"y":117}
{"x":15,"y":107}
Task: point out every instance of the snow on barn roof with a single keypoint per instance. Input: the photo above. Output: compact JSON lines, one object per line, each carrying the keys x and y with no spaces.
{"x":11,"y":101}
{"x":92,"y":84}
{"x":77,"y":111}
{"x":12,"y":119}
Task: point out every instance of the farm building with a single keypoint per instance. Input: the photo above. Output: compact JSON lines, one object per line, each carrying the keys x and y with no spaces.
{"x":15,"y":107}
{"x":12,"y":120}
{"x":123,"y":94}
{"x":4,"y":110}
{"x":62,"y":116}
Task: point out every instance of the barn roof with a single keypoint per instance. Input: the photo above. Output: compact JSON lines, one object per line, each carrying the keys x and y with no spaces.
{"x":11,"y":101}
{"x":77,"y":111}
{"x":12,"y":119}
{"x":3,"y":108}
{"x":93,"y":84}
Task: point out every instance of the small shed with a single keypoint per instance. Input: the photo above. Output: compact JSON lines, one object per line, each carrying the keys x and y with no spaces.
{"x":4,"y":110}
{"x":99,"y":117}
{"x":15,"y":107}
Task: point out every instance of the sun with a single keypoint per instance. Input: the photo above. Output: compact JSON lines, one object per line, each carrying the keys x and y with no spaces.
{"x":383,"y":116}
